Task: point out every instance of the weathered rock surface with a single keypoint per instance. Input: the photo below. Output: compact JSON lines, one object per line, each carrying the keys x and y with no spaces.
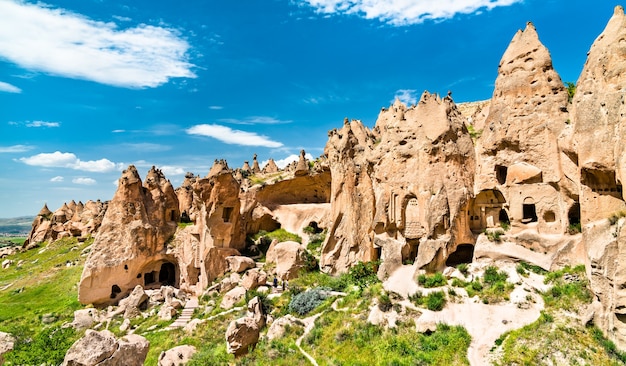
{"x":403,"y":186}
{"x":243,"y":333}
{"x":70,"y":220}
{"x":129,"y":249}
{"x":102,"y":348}
{"x":289,"y":258}
{"x":177,"y":356}
{"x":7,"y":342}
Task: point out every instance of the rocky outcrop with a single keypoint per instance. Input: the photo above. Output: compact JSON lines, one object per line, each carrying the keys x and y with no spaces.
{"x":70,"y":220}
{"x":403,"y":189}
{"x":243,"y":333}
{"x":130,"y":247}
{"x":102,"y":348}
{"x":288,"y":258}
{"x":599,"y":135}
{"x":599,"y":129}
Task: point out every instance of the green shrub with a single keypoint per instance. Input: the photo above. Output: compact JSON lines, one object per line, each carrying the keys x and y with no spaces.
{"x":363,"y":274}
{"x":305,"y":302}
{"x":384,"y":302}
{"x":492,"y":275}
{"x":463,"y":268}
{"x":435,"y":301}
{"x":573,"y":229}
{"x":429,"y":281}
{"x":494,"y":235}
{"x":571,"y":90}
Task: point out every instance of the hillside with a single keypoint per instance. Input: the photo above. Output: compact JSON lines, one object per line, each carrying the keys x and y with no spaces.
{"x":16,"y":226}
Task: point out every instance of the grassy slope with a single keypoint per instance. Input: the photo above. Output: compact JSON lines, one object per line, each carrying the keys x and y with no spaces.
{"x":43,"y":284}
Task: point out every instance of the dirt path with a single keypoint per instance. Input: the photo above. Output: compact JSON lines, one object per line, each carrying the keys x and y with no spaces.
{"x":309,"y":325}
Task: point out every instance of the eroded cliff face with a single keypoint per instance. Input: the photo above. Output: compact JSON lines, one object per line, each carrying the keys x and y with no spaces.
{"x":599,"y":134}
{"x":129,"y":249}
{"x":399,"y":192}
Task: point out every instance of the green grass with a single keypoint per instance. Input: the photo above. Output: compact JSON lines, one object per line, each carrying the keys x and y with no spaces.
{"x":434,"y":280}
{"x":41,"y":285}
{"x":340,"y":339}
{"x":278,"y":234}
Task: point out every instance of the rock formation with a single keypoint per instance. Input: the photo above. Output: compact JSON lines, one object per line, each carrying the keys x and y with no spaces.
{"x":130,"y":247}
{"x":403,"y":189}
{"x":70,"y":220}
{"x":426,"y":186}
{"x":102,"y":348}
{"x":599,"y":135}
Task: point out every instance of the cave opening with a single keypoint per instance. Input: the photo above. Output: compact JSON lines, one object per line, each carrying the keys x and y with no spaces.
{"x":501,"y":173}
{"x":464,"y":253}
{"x":167,"y":274}
{"x":529,"y":212}
{"x":573,"y":215}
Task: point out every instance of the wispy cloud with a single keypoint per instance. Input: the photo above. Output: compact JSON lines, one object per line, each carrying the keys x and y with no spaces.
{"x":42,"y":124}
{"x":56,"y":41}
{"x":405,"y":12}
{"x":169,"y":170}
{"x":58,"y":159}
{"x":6,"y":87}
{"x":230,"y":136}
{"x":15,"y":148}
{"x":406,"y":96}
{"x":57,"y":179}
{"x":84,"y":181}
{"x":146,"y":147}
{"x":255,"y":120}
{"x":216,"y":107}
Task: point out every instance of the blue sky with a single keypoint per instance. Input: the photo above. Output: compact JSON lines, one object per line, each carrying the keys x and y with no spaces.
{"x":89,"y":87}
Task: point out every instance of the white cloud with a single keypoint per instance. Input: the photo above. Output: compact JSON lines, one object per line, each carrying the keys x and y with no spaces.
{"x":405,"y":12}
{"x":230,"y":136}
{"x":171,"y":170}
{"x":56,"y":41}
{"x":15,"y":148}
{"x":84,"y":181}
{"x":6,"y":87}
{"x":282,"y":163}
{"x":118,"y":131}
{"x":42,"y":124}
{"x":58,"y":178}
{"x":406,"y":96}
{"x":216,"y":107}
{"x":255,"y":120}
{"x":58,"y":159}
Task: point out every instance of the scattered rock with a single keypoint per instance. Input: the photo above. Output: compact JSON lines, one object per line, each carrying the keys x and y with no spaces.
{"x":100,"y":348}
{"x":177,"y":356}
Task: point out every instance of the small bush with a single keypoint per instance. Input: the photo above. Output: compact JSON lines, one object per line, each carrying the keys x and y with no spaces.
{"x":463,"y":268}
{"x":384,"y":302}
{"x":429,"y":281}
{"x":305,"y":302}
{"x":494,"y":235}
{"x":363,"y":274}
{"x":492,"y":275}
{"x":574,"y":229}
{"x":435,"y":301}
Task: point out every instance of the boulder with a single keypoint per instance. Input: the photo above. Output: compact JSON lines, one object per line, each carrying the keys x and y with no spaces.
{"x":232,"y":297}
{"x":253,"y":278}
{"x":177,"y":356}
{"x":85,"y":318}
{"x":277,"y":329}
{"x":239,"y":264}
{"x":7,"y":342}
{"x":134,"y":303}
{"x":289,"y":257}
{"x":167,"y":312}
{"x":243,"y":333}
{"x":102,"y":348}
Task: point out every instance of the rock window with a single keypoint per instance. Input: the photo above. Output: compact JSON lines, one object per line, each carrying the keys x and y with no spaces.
{"x":464,"y":253}
{"x":503,"y":217}
{"x":529,"y":212}
{"x":115,"y":289}
{"x":549,"y":216}
{"x":501,"y":172}
{"x":573,"y":215}
{"x":226,"y":213}
{"x":148,"y":278}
